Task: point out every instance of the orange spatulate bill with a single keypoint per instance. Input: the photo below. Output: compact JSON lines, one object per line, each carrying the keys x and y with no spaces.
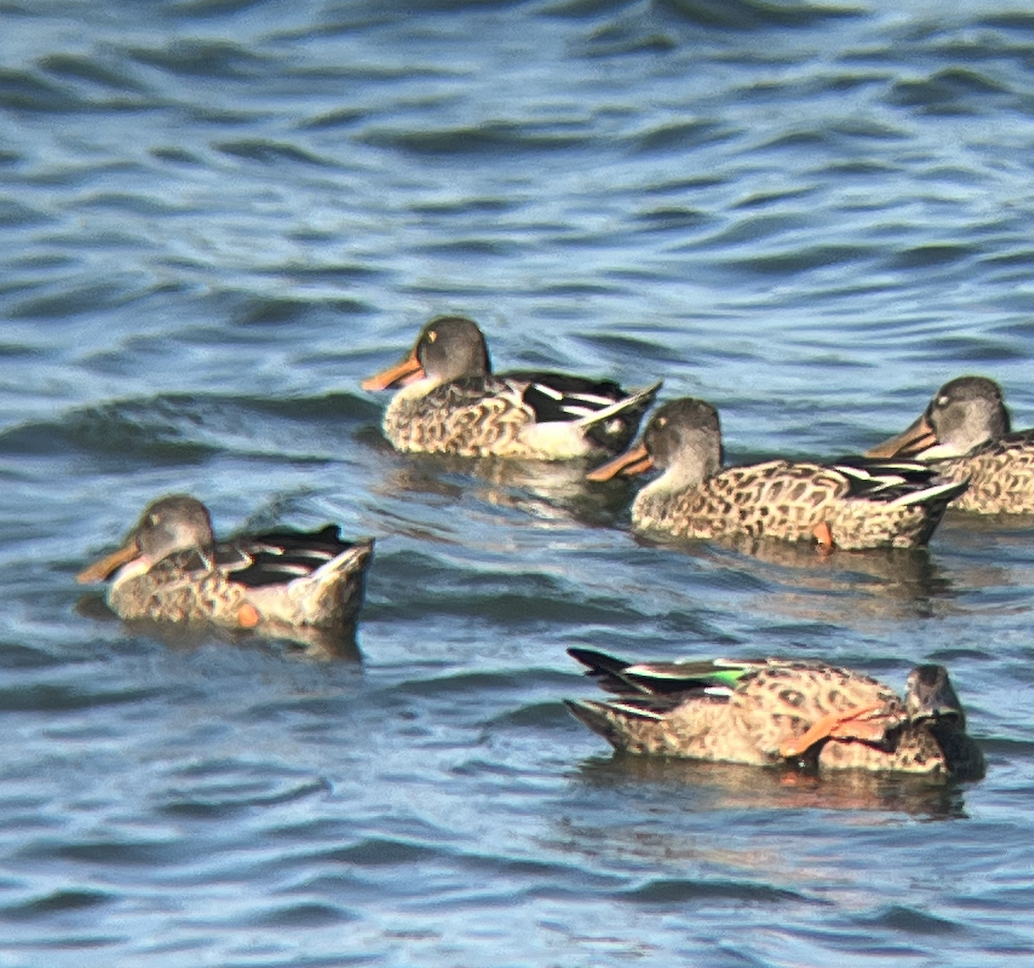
{"x":401,"y":373}
{"x":635,"y":460}
{"x":102,"y":569}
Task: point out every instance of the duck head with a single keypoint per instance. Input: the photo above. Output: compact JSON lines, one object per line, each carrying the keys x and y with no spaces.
{"x":448,"y":348}
{"x":930,"y":696}
{"x":177,"y":522}
{"x":683,"y":440}
{"x":964,"y":413}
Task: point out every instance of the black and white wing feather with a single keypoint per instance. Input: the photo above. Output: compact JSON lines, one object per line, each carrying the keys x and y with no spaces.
{"x":608,"y":414}
{"x":278,"y":557}
{"x":898,"y":482}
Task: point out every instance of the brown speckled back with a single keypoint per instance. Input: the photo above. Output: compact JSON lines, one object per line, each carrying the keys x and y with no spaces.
{"x":784,"y":500}
{"x":1001,"y":475}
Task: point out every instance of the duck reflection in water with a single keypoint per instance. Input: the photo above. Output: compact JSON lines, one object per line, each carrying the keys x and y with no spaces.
{"x":733,"y":786}
{"x":793,"y":581}
{"x":307,"y":644}
{"x":545,"y":491}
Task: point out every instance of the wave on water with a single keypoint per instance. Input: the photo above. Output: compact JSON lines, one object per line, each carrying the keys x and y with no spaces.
{"x":189,"y":428}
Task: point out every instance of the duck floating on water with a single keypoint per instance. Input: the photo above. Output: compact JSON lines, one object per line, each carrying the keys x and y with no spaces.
{"x":171,"y":569}
{"x":450,"y":402}
{"x":965,"y":434}
{"x":774,"y":712}
{"x":855,"y":503}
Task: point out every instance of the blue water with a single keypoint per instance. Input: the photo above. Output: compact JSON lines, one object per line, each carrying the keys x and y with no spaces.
{"x":219,"y":216}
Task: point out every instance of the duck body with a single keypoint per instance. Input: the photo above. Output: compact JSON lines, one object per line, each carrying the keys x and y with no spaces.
{"x":1000,"y":475}
{"x":774,"y":712}
{"x":790,"y":500}
{"x":855,"y":503}
{"x":965,"y":434}
{"x":449,"y":402}
{"x":171,"y":569}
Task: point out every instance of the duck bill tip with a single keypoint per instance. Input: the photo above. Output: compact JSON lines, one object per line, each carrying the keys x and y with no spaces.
{"x":400,"y":374}
{"x":102,"y":568}
{"x":628,"y":464}
{"x":913,"y":440}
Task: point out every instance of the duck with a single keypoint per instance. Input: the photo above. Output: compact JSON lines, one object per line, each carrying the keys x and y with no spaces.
{"x":855,"y":503}
{"x":966,"y":434}
{"x":448,"y":401}
{"x":170,"y":568}
{"x":780,"y":712}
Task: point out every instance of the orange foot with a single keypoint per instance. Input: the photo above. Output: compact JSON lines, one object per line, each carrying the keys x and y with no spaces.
{"x":836,"y":724}
{"x":248,"y":616}
{"x":823,"y":536}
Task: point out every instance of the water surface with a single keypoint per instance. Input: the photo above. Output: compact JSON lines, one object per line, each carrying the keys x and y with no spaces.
{"x":219,"y":216}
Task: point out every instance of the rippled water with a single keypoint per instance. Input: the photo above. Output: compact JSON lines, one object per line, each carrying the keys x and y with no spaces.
{"x":219,"y":215}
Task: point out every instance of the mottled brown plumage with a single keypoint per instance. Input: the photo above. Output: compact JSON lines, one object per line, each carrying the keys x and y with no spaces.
{"x":855,"y":503}
{"x":171,"y":569}
{"x":450,"y":402}
{"x":781,"y":712}
{"x":965,"y":434}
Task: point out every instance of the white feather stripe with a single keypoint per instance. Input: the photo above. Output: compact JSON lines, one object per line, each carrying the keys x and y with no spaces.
{"x":594,"y":399}
{"x":621,"y":405}
{"x":549,"y":391}
{"x":953,"y":488}
{"x":299,"y":571}
{"x":620,"y":707}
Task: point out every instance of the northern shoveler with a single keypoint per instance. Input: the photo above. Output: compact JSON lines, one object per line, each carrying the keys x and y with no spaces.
{"x":773,"y":712}
{"x":450,"y":402}
{"x":965,"y":433}
{"x":171,"y":569}
{"x":854,"y":503}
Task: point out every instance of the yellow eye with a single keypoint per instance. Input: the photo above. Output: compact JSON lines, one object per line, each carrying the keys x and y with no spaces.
{"x":662,"y":421}
{"x":432,"y":336}
{"x":153,"y":519}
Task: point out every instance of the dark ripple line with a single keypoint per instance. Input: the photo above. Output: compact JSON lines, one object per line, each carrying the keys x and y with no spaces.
{"x":379,"y":852}
{"x":199,"y":808}
{"x":677,"y":891}
{"x":166,"y":426}
{"x":50,"y":698}
{"x":947,"y":92}
{"x":586,"y":8}
{"x":804,"y":259}
{"x":1013,"y":20}
{"x":753,"y":14}
{"x":678,"y":137}
{"x":310,"y":915}
{"x":271,"y":153}
{"x":149,"y":854}
{"x":202,"y":58}
{"x":897,"y":917}
{"x":14,"y":214}
{"x":77,"y":68}
{"x":487,"y":139}
{"x":541,"y":715}
{"x":55,"y":903}
{"x":22,"y":91}
{"x":213,"y":8}
{"x":80,"y":300}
